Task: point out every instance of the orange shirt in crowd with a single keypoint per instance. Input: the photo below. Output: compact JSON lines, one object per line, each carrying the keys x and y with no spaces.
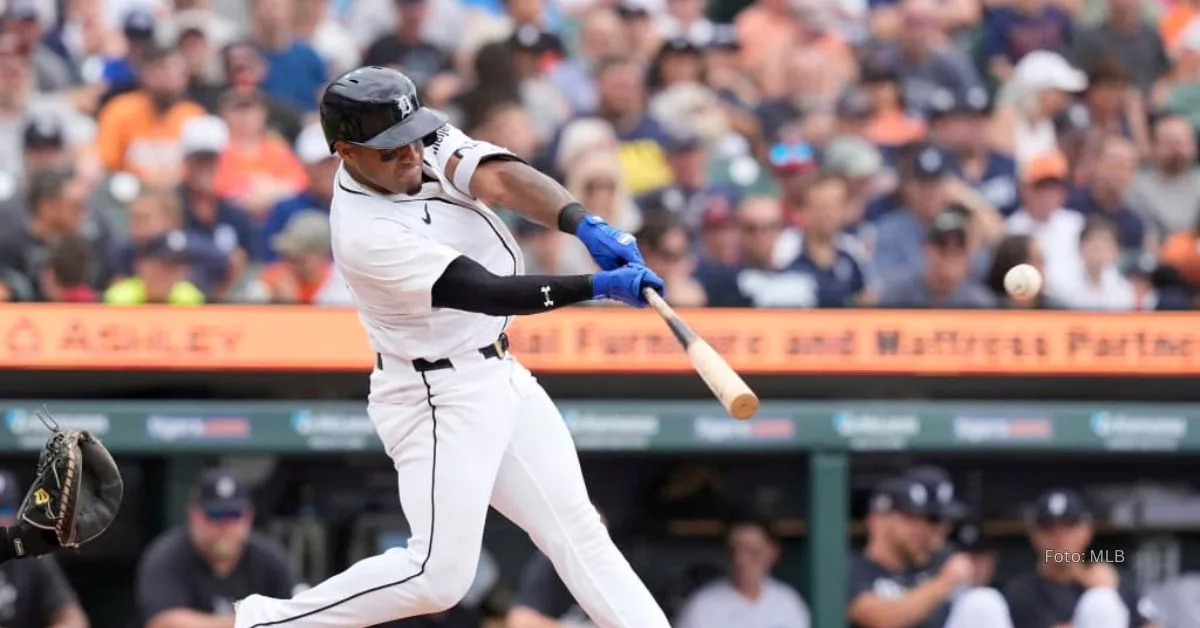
{"x":894,"y":129}
{"x":1172,"y":24}
{"x":242,"y":169}
{"x":1182,"y":251}
{"x":762,"y":32}
{"x":276,"y":274}
{"x":132,"y":136}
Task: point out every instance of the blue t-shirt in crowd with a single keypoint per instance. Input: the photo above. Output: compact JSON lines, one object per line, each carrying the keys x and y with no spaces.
{"x":231,"y":230}
{"x":295,"y":75}
{"x":278,"y":218}
{"x":1012,"y":35}
{"x":998,"y":184}
{"x":838,"y":284}
{"x":1131,"y":227}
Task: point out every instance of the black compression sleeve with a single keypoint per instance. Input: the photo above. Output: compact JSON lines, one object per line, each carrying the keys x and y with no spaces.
{"x":570,"y":217}
{"x":467,"y":286}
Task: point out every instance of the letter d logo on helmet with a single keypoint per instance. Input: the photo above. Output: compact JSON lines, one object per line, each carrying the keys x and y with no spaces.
{"x":375,"y":108}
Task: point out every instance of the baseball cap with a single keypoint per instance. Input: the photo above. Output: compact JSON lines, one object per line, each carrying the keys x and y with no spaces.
{"x":950,"y":227}
{"x":973,"y":101}
{"x":792,"y":157}
{"x":930,"y":162}
{"x":139,"y":24}
{"x":719,"y":213}
{"x":902,"y":495}
{"x":724,"y":37}
{"x":529,"y":38}
{"x":171,"y":246}
{"x":220,"y":492}
{"x":310,"y":145}
{"x":682,"y":140}
{"x":306,"y":232}
{"x":852,"y":157}
{"x":1050,"y":166}
{"x":44,"y":132}
{"x":679,"y":44}
{"x":1060,"y":505}
{"x":936,"y":480}
{"x":1042,"y":69}
{"x":970,"y":536}
{"x":629,"y":9}
{"x":204,"y":135}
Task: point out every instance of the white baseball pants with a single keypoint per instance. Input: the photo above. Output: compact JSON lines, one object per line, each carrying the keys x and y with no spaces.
{"x":483,"y":432}
{"x":980,"y":607}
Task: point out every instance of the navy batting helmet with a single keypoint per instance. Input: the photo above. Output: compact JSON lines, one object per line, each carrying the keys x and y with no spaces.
{"x":376,"y":108}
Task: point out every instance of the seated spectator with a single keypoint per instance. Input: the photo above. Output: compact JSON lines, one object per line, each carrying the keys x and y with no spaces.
{"x":1011,"y":251}
{"x":1019,"y":28}
{"x":245,"y":68}
{"x":689,"y":195}
{"x":860,"y":166}
{"x":1179,"y":89}
{"x":720,"y":241}
{"x":836,"y":262}
{"x":601,"y":36}
{"x":1023,"y":123}
{"x":664,"y":243}
{"x":36,"y":592}
{"x":257,"y":169}
{"x":56,"y":201}
{"x":1071,"y":592}
{"x":678,"y":60}
{"x":758,"y":280}
{"x":295,"y":72}
{"x":193,"y":574}
{"x":620,"y":85}
{"x":890,"y":123}
{"x":958,"y":124}
{"x":119,"y":74}
{"x":749,"y":597}
{"x":305,"y":273}
{"x":1110,"y":106}
{"x":1168,"y":192}
{"x":203,"y":87}
{"x":408,"y":47}
{"x":550,"y":251}
{"x":945,"y":281}
{"x":597,"y":181}
{"x":1181,"y":251}
{"x":45,"y":144}
{"x":1105,"y":194}
{"x":67,"y":275}
{"x":139,"y":131}
{"x":793,"y":165}
{"x":1126,"y":37}
{"x":160,"y":275}
{"x":155,"y":212}
{"x":1043,"y":216}
{"x":205,"y":213}
{"x":1098,"y":283}
{"x":51,"y":72}
{"x":890,"y":581}
{"x":320,"y":166}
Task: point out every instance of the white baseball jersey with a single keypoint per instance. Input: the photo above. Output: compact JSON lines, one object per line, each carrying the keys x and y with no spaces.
{"x":391,"y":250}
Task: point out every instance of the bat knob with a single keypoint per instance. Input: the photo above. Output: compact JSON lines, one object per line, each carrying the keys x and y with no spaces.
{"x":744,"y":406}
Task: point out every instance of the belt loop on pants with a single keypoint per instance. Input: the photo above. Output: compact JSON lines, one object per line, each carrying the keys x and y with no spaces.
{"x":496,"y":350}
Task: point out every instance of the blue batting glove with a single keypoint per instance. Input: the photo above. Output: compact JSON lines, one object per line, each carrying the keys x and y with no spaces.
{"x":610,"y":247}
{"x":625,"y":284}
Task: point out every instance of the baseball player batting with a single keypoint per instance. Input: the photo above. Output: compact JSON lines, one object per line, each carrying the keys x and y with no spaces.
{"x":437,"y":277}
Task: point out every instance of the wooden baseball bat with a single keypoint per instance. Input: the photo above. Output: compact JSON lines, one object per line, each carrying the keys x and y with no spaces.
{"x":722,"y":380}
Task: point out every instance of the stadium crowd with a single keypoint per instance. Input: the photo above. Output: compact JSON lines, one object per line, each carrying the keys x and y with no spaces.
{"x":811,"y":153}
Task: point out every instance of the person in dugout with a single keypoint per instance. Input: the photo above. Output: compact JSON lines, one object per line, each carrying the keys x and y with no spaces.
{"x":33,"y":593}
{"x":1072,"y":585}
{"x":192,"y":575}
{"x":893,"y":582}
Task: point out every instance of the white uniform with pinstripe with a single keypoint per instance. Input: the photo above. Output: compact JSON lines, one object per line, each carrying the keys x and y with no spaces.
{"x":465,"y":424}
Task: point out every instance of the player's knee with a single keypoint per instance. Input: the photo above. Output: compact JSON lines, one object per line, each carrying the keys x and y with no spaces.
{"x":985,"y":605}
{"x":448,"y":583}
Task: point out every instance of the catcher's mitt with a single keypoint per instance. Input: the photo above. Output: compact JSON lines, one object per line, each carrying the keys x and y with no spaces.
{"x":76,"y":494}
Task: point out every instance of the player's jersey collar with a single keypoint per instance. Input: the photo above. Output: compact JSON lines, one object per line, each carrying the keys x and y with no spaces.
{"x":429,"y":188}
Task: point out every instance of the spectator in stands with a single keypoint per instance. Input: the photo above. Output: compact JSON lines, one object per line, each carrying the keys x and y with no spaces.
{"x":305,"y":273}
{"x":408,"y":48}
{"x":601,"y":36}
{"x":1168,"y":192}
{"x":958,"y":124}
{"x":295,"y":73}
{"x":835,"y":262}
{"x":945,"y":280}
{"x":759,"y":281}
{"x":318,"y":26}
{"x":803,"y":91}
{"x":889,"y":585}
{"x":33,"y":593}
{"x":120,"y":73}
{"x":139,"y":131}
{"x":320,"y":167}
{"x":193,"y":574}
{"x":1011,"y":251}
{"x":257,"y":169}
{"x":1021,"y":27}
{"x":199,"y":56}
{"x":1105,"y":194}
{"x":620,"y":84}
{"x":1181,"y":251}
{"x":1126,"y":37}
{"x":1110,"y":106}
{"x":205,"y":212}
{"x":68,"y":273}
{"x":1097,"y":284}
{"x":749,"y":597}
{"x":155,"y":212}
{"x":920,"y":62}
{"x":550,"y":251}
{"x":901,"y":233}
{"x":641,"y":28}
{"x":860,"y":166}
{"x":45,"y":145}
{"x":1180,"y":88}
{"x":1023,"y":123}
{"x":161,"y":269}
{"x":689,"y":195}
{"x":793,"y":165}
{"x":246,"y":68}
{"x":51,"y":72}
{"x":720,"y":250}
{"x":677,"y":61}
{"x":1043,"y":216}
{"x":56,"y":202}
{"x":1060,"y":591}
{"x":664,"y":243}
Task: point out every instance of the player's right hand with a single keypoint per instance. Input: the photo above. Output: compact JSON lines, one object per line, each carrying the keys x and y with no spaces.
{"x":625,"y":284}
{"x":958,"y":570}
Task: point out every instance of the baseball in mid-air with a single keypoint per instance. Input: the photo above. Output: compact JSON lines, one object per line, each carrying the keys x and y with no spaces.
{"x":1022,"y":282}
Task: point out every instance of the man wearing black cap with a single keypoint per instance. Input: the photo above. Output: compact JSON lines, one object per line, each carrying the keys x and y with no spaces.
{"x":940,"y":486}
{"x":945,"y":282}
{"x":33,"y":593}
{"x":160,"y":273}
{"x":959,"y":124}
{"x":691,"y":193}
{"x":191,"y":576}
{"x":1070,"y":586}
{"x":45,"y":144}
{"x":889,"y":585}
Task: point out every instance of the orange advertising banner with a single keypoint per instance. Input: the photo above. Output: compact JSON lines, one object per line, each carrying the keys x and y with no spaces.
{"x":619,"y":340}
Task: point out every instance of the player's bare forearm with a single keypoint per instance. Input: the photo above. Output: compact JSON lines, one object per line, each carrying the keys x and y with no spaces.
{"x":521,"y":188}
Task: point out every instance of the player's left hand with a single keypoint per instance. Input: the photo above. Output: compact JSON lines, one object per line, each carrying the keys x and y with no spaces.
{"x":625,"y":284}
{"x":610,"y":247}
